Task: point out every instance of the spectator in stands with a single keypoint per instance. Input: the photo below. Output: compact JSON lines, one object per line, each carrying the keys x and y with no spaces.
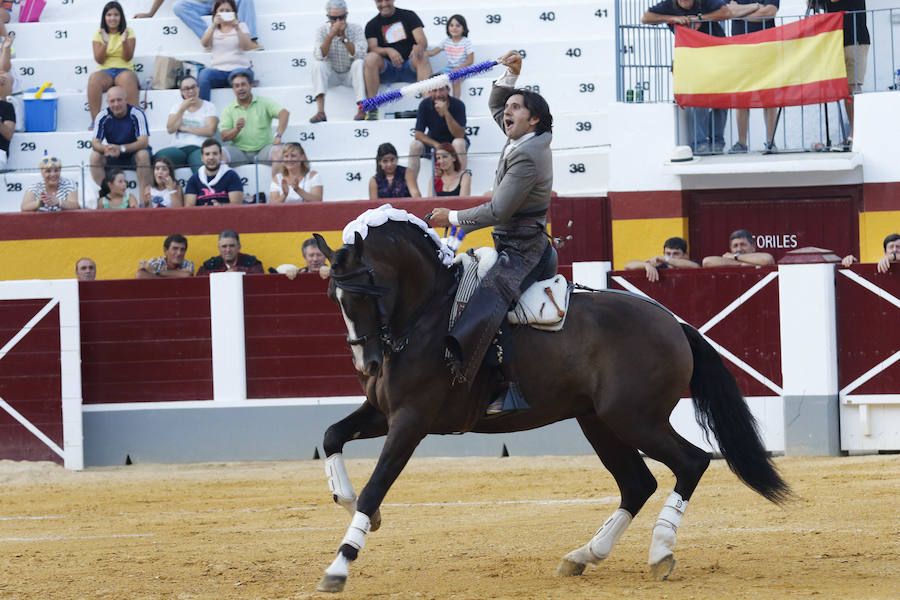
{"x":390,"y":179}
{"x":296,"y":182}
{"x":125,"y":130}
{"x":452,"y":181}
{"x":113,"y":50}
{"x":114,"y":191}
{"x":171,"y":264}
{"x":85,"y":269}
{"x":192,"y":120}
{"x":674,"y":256}
{"x":165,"y":191}
{"x":856,"y":50}
{"x":227,"y":39}
{"x":315,"y":262}
{"x":742,"y":253}
{"x":457,"y":47}
{"x":444,"y":118}
{"x":397,"y":46}
{"x":709,"y":124}
{"x":7,"y":76}
{"x":755,"y":21}
{"x":52,"y":193}
{"x":7,"y":129}
{"x":193,"y":11}
{"x":6,"y":7}
{"x":246,"y":125}
{"x":230,"y":257}
{"x":891,"y":245}
{"x":338,"y":58}
{"x":215,"y":183}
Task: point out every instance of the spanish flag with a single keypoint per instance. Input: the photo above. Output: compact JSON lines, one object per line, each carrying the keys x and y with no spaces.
{"x":791,"y":65}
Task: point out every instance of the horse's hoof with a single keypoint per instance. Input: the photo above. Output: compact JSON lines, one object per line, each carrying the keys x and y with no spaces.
{"x":375,"y":521}
{"x":661,"y":570}
{"x":332,"y":583}
{"x":570,"y":568}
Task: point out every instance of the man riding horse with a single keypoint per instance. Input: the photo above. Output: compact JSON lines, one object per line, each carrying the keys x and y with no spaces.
{"x":517,"y":210}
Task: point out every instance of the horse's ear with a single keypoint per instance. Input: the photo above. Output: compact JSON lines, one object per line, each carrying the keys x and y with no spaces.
{"x":358,"y":243}
{"x":323,"y":246}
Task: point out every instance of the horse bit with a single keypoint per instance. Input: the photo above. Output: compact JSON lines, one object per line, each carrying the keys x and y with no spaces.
{"x":376,"y":292}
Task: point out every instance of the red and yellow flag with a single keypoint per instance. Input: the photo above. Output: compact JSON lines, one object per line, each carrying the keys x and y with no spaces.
{"x":795,"y":64}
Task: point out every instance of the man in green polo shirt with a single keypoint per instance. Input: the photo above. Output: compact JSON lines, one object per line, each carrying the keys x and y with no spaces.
{"x":246,"y":125}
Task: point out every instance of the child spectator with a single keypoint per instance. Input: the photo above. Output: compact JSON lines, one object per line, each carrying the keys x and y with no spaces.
{"x":114,"y":46}
{"x":390,"y":180}
{"x":113,"y":191}
{"x":458,"y":48}
{"x":165,"y":191}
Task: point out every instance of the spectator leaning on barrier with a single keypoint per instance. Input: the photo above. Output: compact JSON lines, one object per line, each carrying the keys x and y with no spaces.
{"x":709,"y":124}
{"x":444,"y":118}
{"x":53,"y":192}
{"x":315,"y":262}
{"x":214,"y":183}
{"x":85,"y":269}
{"x":891,"y":245}
{"x":193,"y":11}
{"x":246,"y":125}
{"x":338,"y":58}
{"x":755,"y":21}
{"x":397,"y":45}
{"x":742,"y":253}
{"x":674,"y":256}
{"x":125,"y":130}
{"x":171,"y":264}
{"x":230,"y":257}
{"x":7,"y":129}
{"x":856,"y":49}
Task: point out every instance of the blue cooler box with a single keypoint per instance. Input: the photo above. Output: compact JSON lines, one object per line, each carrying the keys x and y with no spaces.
{"x":40,"y":113}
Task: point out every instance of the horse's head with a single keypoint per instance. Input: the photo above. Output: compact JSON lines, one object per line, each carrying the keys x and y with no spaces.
{"x":363,"y":302}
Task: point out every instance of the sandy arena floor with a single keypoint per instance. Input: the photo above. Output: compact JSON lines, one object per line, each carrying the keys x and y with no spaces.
{"x":453,"y":528}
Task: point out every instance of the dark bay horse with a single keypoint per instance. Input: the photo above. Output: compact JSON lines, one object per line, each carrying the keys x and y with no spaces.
{"x":618,"y":367}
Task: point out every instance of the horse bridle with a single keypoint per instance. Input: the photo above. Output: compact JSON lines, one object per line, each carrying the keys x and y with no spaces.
{"x":376,"y":292}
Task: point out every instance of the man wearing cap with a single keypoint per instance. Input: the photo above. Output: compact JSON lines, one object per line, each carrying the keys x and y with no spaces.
{"x":338,"y":58}
{"x":246,"y":125}
{"x":122,"y":139}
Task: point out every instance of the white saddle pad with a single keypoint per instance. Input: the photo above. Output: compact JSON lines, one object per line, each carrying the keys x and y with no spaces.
{"x":543,"y":305}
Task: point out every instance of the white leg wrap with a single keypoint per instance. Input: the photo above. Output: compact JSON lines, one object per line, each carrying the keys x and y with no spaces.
{"x":663,"y":540}
{"x":339,"y":482}
{"x":340,"y":566}
{"x":357,"y":532}
{"x":603,"y":541}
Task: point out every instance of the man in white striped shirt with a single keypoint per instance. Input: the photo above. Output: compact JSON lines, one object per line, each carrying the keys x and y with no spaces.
{"x":338,"y":58}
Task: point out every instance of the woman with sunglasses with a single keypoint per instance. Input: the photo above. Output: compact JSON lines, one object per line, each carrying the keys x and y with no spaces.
{"x":192,"y":120}
{"x":53,"y":193}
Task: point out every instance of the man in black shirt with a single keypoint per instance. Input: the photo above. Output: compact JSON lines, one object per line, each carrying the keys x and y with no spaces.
{"x":397,"y":45}
{"x":856,"y":49}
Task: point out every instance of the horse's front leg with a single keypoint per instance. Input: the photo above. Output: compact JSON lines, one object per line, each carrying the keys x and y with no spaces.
{"x":365,"y":422}
{"x":404,"y":435}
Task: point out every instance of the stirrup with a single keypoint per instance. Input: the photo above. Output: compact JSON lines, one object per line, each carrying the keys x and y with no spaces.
{"x":511,"y":401}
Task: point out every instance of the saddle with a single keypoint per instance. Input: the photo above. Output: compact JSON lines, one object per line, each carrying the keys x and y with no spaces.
{"x":543,"y":305}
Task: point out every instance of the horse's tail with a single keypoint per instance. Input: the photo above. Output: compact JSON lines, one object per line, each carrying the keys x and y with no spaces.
{"x":720,"y":407}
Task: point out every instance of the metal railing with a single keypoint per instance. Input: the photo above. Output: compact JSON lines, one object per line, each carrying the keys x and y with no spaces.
{"x":644,"y":74}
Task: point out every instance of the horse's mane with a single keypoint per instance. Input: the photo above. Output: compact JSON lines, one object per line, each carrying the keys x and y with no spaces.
{"x":386,"y":220}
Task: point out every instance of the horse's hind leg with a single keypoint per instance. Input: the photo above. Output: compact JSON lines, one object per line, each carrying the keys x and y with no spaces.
{"x":402,"y":438}
{"x":688,"y":463}
{"x":636,"y":485}
{"x":365,"y":422}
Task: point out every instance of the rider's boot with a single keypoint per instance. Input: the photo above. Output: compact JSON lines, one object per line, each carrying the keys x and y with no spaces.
{"x":510,"y":398}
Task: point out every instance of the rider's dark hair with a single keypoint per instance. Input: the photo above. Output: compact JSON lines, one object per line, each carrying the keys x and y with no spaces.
{"x":537,"y":106}
{"x":676,"y":243}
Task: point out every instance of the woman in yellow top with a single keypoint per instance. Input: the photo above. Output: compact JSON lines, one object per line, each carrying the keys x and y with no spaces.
{"x":113,"y":50}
